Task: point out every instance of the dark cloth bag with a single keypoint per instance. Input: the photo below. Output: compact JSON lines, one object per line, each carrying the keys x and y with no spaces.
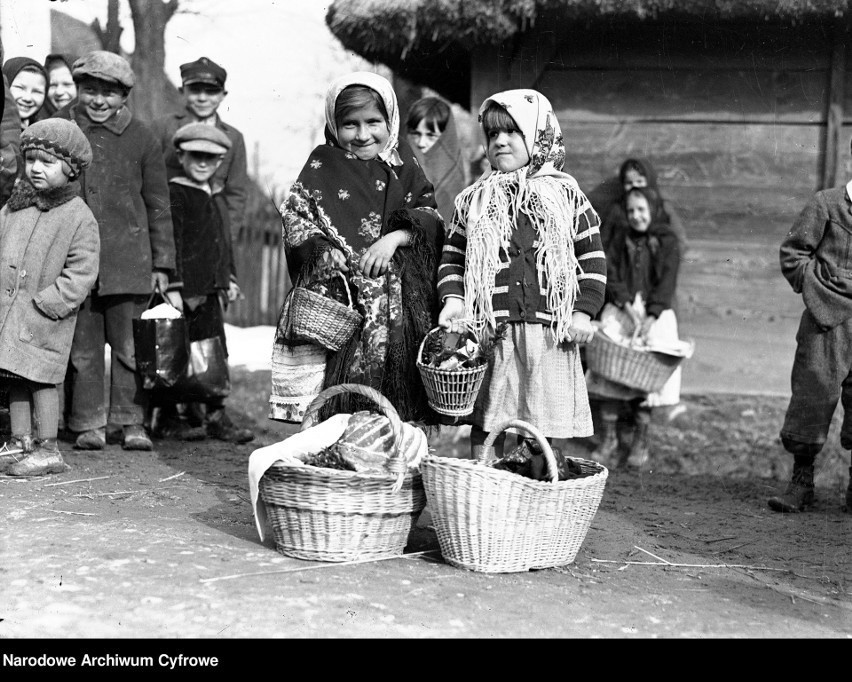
{"x":206,"y":374}
{"x":162,"y":350}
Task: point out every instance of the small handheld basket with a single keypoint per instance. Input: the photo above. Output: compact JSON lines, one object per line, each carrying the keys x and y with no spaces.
{"x":324,"y":514}
{"x":318,"y":318}
{"x":496,"y":521}
{"x":450,"y":391}
{"x":640,"y":369}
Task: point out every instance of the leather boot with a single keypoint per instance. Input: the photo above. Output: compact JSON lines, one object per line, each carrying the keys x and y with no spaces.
{"x":135,"y":438}
{"x":603,"y":454}
{"x":220,"y":426}
{"x":799,"y":493}
{"x":639,"y":456}
{"x":44,"y":459}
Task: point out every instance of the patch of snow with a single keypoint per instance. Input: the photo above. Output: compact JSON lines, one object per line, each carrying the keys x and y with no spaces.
{"x":250,"y":347}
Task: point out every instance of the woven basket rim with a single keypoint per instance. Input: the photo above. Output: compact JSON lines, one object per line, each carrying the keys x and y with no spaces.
{"x":498,"y":474}
{"x":325,"y":472}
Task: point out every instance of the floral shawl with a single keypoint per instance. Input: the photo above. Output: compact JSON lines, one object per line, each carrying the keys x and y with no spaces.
{"x":340,"y":201}
{"x":550,"y":198}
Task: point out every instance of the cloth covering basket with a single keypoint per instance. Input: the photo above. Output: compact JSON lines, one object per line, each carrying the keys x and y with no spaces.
{"x":640,"y":369}
{"x":324,"y":514}
{"x":495,"y":521}
{"x":450,"y":391}
{"x":322,"y":320}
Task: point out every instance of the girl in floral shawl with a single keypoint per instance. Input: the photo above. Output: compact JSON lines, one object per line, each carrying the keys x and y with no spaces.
{"x":363,"y":207}
{"x":524,"y":249}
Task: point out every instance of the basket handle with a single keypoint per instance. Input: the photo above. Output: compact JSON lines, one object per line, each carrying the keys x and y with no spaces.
{"x":345,"y":286}
{"x":533,"y":431}
{"x":398,"y":464}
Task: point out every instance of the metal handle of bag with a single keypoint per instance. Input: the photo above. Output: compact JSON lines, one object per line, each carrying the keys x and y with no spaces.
{"x":487,"y":447}
{"x":398,"y":465}
{"x":158,"y":291}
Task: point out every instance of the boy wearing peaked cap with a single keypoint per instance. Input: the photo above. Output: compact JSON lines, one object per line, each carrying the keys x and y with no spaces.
{"x":127,"y":190}
{"x":205,"y":272}
{"x":203,"y":90}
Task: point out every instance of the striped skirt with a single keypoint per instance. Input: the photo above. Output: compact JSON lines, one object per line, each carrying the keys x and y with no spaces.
{"x":534,"y":379}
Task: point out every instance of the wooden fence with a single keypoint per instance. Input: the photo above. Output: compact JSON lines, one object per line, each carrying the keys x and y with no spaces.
{"x":261,"y":266}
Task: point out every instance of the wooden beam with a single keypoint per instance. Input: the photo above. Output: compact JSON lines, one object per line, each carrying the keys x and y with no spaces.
{"x":836,"y":147}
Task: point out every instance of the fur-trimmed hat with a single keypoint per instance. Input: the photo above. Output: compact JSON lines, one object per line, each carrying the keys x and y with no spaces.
{"x":106,"y":66}
{"x":61,"y":138}
{"x":201,"y":137}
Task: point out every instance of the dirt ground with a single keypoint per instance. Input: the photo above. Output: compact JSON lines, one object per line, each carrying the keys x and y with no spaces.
{"x":163,"y":545}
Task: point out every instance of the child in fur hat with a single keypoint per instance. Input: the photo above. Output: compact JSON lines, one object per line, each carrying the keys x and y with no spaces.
{"x":524,"y":248}
{"x":51,"y":246}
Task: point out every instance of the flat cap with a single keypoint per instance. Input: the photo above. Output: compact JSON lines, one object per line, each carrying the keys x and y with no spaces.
{"x":201,"y":137}
{"x":203,"y":71}
{"x":106,"y":66}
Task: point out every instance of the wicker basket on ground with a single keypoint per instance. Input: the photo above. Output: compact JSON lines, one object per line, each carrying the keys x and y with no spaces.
{"x":495,"y":521}
{"x":325,"y":514}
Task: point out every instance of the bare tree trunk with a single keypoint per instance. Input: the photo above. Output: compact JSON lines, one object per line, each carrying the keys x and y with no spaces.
{"x":110,"y":36}
{"x":150,"y":96}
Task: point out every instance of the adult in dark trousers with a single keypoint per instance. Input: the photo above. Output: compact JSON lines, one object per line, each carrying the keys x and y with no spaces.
{"x":203,"y":90}
{"x":816,"y":260}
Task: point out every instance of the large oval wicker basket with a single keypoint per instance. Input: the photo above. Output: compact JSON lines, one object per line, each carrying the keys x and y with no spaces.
{"x":495,"y":521}
{"x":640,"y":369}
{"x":450,"y":391}
{"x":324,"y":514}
{"x":322,"y":320}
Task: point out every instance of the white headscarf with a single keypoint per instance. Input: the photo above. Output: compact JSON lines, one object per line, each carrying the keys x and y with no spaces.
{"x":550,"y":198}
{"x":382,"y":86}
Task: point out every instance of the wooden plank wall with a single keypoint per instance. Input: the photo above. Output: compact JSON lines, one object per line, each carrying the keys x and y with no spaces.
{"x":733,"y":117}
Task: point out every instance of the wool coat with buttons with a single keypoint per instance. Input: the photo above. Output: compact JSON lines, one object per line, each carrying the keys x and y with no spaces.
{"x":48,"y":264}
{"x":127,"y":191}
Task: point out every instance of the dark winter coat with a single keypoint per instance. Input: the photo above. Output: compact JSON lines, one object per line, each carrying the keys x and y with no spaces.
{"x":48,"y":263}
{"x":202,"y":242}
{"x":127,"y":191}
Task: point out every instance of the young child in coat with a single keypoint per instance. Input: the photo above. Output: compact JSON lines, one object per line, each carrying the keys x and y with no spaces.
{"x":524,"y":248}
{"x":126,"y":189}
{"x":205,"y":275}
{"x":643,"y":260}
{"x":49,"y":252}
{"x":816,"y":260}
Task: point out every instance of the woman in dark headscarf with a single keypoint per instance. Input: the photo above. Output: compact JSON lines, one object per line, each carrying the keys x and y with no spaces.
{"x":61,"y":88}
{"x":363,"y":207}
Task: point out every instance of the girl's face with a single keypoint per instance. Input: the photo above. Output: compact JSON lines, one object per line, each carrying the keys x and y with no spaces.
{"x":101,"y":100}
{"x":44,"y":170}
{"x":199,"y":166}
{"x":633,"y":178}
{"x":364,"y":132}
{"x":423,"y":136}
{"x":507,"y":150}
{"x":28,"y":90}
{"x":638,"y":212}
{"x":62,"y":88}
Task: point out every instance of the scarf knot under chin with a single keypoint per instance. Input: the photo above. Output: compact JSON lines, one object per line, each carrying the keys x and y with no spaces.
{"x":554,"y":205}
{"x":25,"y":195}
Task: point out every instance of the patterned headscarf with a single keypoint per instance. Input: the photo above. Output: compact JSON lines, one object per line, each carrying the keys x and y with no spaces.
{"x":382,"y":86}
{"x":550,"y":198}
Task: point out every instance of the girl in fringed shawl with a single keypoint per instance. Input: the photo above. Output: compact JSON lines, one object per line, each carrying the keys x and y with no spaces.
{"x":362,"y":206}
{"x":524,"y":249}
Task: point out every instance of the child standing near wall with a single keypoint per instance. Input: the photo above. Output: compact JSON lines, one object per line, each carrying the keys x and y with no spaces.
{"x":205,"y":275}
{"x":524,"y":248}
{"x":50,"y":246}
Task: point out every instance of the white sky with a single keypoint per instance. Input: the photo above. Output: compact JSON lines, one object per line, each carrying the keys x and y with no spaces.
{"x":279,"y":54}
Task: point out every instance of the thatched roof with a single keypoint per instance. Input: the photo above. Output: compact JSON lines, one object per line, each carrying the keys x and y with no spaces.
{"x":423,"y":40}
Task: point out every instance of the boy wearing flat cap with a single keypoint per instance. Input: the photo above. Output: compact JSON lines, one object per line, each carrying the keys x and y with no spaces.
{"x":127,"y":190}
{"x":205,"y":274}
{"x":203,"y":89}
